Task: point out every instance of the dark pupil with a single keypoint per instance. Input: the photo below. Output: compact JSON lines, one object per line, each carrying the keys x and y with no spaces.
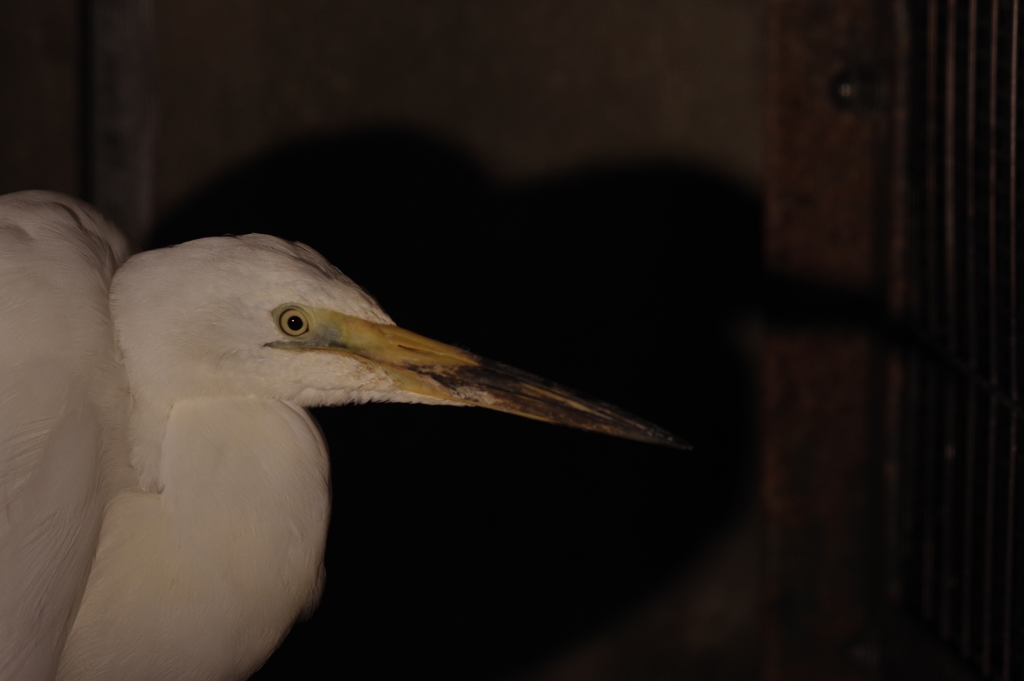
{"x":294,"y":323}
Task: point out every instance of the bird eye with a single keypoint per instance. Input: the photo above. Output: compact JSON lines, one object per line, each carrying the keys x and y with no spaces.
{"x":293,"y":322}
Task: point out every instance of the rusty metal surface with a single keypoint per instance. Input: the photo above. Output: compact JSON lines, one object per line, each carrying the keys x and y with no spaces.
{"x":828,"y":202}
{"x":818,"y":496}
{"x":827,"y":130}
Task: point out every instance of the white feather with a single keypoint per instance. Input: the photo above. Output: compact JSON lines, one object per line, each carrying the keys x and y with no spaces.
{"x":219,"y":522}
{"x":59,"y":383}
{"x":164,"y":494}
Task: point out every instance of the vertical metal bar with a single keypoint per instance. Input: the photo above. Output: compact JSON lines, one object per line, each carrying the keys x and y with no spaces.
{"x":948,"y":446}
{"x":1012,"y":206}
{"x":987,"y":587}
{"x":931,"y":314}
{"x":993,"y":148}
{"x":930,"y":445}
{"x":949,"y":454}
{"x":1011,"y":477}
{"x":911,"y":498}
{"x":967,"y":555}
{"x":972,"y":335}
{"x":1008,"y":646}
{"x":931,"y":276}
{"x":970,"y":116}
{"x":949,"y":179}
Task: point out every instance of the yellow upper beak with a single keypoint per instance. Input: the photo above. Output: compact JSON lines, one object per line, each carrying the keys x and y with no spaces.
{"x":426,"y":367}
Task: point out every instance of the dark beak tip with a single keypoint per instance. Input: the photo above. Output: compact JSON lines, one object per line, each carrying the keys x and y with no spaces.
{"x":659,"y":437}
{"x":673,"y":442}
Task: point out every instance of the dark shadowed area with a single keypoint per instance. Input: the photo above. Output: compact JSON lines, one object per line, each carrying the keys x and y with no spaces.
{"x":474,"y":544}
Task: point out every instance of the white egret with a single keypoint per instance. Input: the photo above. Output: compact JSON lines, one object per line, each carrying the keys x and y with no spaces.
{"x":164,"y":493}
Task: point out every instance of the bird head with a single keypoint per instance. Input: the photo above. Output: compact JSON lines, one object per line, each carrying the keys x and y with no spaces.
{"x":257,"y":316}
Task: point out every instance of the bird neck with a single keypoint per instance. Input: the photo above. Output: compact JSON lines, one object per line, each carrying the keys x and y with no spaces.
{"x":233,"y":459}
{"x":232,"y":547}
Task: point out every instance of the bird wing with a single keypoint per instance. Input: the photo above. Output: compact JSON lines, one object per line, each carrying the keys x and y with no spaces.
{"x":62,"y":413}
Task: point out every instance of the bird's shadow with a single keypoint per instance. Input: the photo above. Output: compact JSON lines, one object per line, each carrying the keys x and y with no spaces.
{"x":473,"y":542}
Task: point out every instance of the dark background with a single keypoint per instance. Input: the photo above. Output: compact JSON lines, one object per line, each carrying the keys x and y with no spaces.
{"x":569,"y":187}
{"x":477,"y":544}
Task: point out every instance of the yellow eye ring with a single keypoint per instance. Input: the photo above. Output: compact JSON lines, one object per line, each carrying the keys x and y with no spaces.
{"x":293,"y":321}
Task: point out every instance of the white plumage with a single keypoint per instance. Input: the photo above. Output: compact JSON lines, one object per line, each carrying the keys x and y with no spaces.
{"x":164,"y":493}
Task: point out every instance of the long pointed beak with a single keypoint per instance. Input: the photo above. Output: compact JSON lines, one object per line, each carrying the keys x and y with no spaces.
{"x":426,"y":367}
